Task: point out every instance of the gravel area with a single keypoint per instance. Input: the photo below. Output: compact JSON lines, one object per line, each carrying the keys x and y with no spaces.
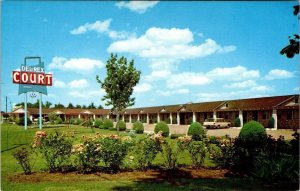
{"x":232,"y":132}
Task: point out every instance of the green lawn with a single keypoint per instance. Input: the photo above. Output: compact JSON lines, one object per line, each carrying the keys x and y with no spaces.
{"x":13,"y":137}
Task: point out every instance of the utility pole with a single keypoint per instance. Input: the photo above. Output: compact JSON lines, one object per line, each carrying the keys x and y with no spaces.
{"x":6,"y":104}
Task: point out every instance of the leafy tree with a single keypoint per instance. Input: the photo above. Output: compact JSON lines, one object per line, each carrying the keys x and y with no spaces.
{"x":70,"y":106}
{"x":119,"y":83}
{"x":59,"y":106}
{"x":47,"y":104}
{"x":92,"y":106}
{"x":293,"y":48}
{"x":100,"y":107}
{"x":78,"y":106}
{"x":83,"y":107}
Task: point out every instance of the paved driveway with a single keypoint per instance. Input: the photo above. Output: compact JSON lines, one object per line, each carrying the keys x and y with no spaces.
{"x":232,"y":132}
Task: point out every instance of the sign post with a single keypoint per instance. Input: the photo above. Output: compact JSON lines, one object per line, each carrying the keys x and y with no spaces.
{"x":32,"y":79}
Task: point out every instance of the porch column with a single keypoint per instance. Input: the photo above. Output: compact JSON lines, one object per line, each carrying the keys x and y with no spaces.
{"x":241,"y":118}
{"x":79,"y":116}
{"x":30,"y":117}
{"x":158,"y":118}
{"x":194,"y":117}
{"x":107,"y":116}
{"x":215,"y":115}
{"x":94,"y":116}
{"x":274,"y":115}
{"x":171,"y":119}
{"x":129,"y":118}
{"x":147,"y":118}
{"x":123,"y":118}
{"x":138,"y":117}
{"x":178,"y":119}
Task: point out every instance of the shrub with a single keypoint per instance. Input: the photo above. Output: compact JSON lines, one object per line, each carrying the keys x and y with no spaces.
{"x":138,"y":127}
{"x":122,"y":125}
{"x":113,"y":151}
{"x":237,"y":122}
{"x":98,"y":123}
{"x":107,"y":123}
{"x":112,"y":129}
{"x":271,"y":122}
{"x":170,"y":154}
{"x":163,"y":127}
{"x":56,"y":149}
{"x":77,"y":121}
{"x":197,"y":152}
{"x":196,"y":131}
{"x":175,"y":136}
{"x":58,"y":120}
{"x":253,"y":132}
{"x":20,"y":121}
{"x":146,"y":150}
{"x":23,"y":156}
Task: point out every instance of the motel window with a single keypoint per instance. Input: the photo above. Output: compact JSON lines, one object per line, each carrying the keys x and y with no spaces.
{"x":296,"y":100}
{"x":289,"y":115}
{"x":264,"y":116}
{"x":279,"y":116}
{"x":226,"y":105}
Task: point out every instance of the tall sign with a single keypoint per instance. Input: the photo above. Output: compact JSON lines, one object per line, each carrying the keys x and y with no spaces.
{"x":32,"y":79}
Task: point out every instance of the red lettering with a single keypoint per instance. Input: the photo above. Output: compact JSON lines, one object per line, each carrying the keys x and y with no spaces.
{"x":16,"y":77}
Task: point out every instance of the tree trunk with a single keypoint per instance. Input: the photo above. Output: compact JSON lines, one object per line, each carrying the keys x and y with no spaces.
{"x":117,"y":120}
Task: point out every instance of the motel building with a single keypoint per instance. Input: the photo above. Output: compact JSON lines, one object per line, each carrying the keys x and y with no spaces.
{"x":284,"y":110}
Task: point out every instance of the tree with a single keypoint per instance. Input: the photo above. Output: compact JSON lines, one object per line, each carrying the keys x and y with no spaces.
{"x":47,"y":105}
{"x":83,"y":107}
{"x":119,"y":83}
{"x":293,"y":48}
{"x":59,"y":106}
{"x":78,"y":106}
{"x":91,"y":106}
{"x":100,"y":107}
{"x":70,"y":106}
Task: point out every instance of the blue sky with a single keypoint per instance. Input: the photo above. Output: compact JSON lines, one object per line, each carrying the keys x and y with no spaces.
{"x":186,"y":51}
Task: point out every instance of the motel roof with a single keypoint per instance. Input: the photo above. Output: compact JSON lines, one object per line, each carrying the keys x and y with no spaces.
{"x":263,"y":103}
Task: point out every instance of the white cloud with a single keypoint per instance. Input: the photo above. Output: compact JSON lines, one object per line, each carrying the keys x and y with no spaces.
{"x":80,"y":65}
{"x":137,"y":6}
{"x":234,"y":73}
{"x":186,"y":79}
{"x":279,"y":74}
{"x":168,"y":43}
{"x":296,"y":89}
{"x":157,"y":75}
{"x":87,"y":94}
{"x":59,"y":84}
{"x":243,"y":84}
{"x":82,"y":83}
{"x":141,"y":88}
{"x":172,"y":92}
{"x":261,"y":88}
{"x":98,"y":26}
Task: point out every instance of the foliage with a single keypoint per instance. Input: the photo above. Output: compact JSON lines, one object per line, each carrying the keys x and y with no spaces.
{"x":88,"y":155}
{"x":121,"y":125}
{"x":56,"y":150}
{"x":271,"y":122}
{"x":23,"y":156}
{"x":197,"y":150}
{"x":99,"y":123}
{"x":170,"y":154}
{"x":20,"y":121}
{"x":119,"y":83}
{"x":175,"y":136}
{"x":146,"y":150}
{"x":138,"y":127}
{"x":113,"y":151}
{"x":253,"y":132}
{"x":70,"y":106}
{"x":58,"y":120}
{"x":196,"y":131}
{"x":237,"y":122}
{"x":107,"y":123}
{"x":76,"y":121}
{"x":163,"y":127}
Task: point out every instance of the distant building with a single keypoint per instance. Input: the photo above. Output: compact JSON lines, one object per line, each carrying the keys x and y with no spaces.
{"x":284,"y":110}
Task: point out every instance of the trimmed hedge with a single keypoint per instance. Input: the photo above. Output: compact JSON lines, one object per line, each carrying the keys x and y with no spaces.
{"x":107,"y":123}
{"x":20,"y":121}
{"x":196,"y":131}
{"x":122,"y":125}
{"x":138,"y":127}
{"x":162,"y":126}
{"x":271,"y":122}
{"x":98,"y":123}
{"x":253,"y":132}
{"x":237,"y":122}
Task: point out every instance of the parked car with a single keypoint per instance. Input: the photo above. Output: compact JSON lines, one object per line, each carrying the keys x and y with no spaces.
{"x":216,"y":123}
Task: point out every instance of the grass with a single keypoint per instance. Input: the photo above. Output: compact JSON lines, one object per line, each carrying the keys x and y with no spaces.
{"x":12,"y":178}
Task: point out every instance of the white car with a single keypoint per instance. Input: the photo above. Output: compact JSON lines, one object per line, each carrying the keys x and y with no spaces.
{"x":216,"y":123}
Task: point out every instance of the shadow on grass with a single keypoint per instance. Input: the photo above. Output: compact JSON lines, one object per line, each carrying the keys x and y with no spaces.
{"x":180,"y":180}
{"x":14,"y":147}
